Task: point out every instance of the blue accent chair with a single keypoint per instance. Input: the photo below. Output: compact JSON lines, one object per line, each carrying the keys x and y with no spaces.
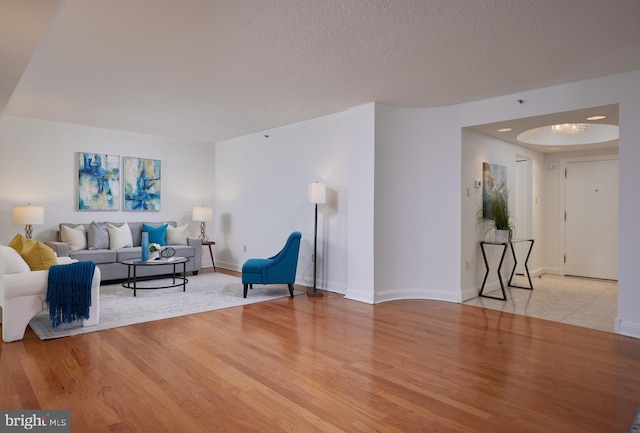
{"x":279,"y":269}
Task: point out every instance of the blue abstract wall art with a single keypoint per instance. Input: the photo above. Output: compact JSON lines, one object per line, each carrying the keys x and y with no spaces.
{"x":98,"y":181}
{"x":141,"y":184}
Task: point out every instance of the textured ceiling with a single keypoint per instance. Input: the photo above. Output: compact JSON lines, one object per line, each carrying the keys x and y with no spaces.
{"x":210,"y":70}
{"x":22,"y":24}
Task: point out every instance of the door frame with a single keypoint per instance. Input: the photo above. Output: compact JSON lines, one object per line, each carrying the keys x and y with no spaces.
{"x":524,"y":196}
{"x":562,"y":232}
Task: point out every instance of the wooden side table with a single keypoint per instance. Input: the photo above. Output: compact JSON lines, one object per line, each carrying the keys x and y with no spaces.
{"x":210,"y":244}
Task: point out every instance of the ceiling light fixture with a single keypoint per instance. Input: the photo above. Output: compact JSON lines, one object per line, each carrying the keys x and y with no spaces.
{"x":505,"y":129}
{"x":596,"y":117}
{"x":570,"y":128}
{"x":551,"y":135}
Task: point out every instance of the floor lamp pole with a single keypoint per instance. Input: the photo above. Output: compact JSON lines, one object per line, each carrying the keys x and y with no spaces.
{"x":315,"y":291}
{"x":315,"y":248}
{"x":317,"y":194}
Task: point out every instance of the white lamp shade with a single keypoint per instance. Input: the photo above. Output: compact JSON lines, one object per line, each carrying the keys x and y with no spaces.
{"x":28,"y":215}
{"x":318,"y":192}
{"x":202,"y":213}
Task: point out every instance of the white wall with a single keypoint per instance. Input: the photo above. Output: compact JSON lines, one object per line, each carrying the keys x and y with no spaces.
{"x":361,"y":204}
{"x":628,"y":88}
{"x":418,"y":212}
{"x":477,"y":149}
{"x":38,"y":166}
{"x":623,"y":89}
{"x":262,"y":186}
{"x":262,"y":183}
{"x":418,"y":244}
{"x":417,"y":204}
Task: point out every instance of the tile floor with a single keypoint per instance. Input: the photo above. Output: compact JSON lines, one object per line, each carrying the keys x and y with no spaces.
{"x":577,"y":301}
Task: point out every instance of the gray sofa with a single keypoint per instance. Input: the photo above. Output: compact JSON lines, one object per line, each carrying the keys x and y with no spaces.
{"x":108,"y":260}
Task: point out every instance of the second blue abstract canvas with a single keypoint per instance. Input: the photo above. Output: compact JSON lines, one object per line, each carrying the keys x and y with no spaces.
{"x":141,"y":184}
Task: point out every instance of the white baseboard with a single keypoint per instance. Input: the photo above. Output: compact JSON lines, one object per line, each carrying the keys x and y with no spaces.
{"x":627,"y":328}
{"x":470,"y":293}
{"x":229,"y":265}
{"x":549,"y":270}
{"x":300,"y":280}
{"x":360,"y":295}
{"x":432,"y":295}
{"x":324,"y":285}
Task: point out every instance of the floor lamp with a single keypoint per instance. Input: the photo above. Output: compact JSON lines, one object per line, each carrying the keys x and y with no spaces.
{"x":317,"y":195}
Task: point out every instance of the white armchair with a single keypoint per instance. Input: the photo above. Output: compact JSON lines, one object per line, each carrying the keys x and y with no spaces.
{"x":22,"y":294}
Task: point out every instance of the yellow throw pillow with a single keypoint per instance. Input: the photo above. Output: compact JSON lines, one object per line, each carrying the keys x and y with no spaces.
{"x":38,"y":256}
{"x":17,"y":242}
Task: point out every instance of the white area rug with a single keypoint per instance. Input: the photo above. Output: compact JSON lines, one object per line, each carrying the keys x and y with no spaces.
{"x":118,"y":306}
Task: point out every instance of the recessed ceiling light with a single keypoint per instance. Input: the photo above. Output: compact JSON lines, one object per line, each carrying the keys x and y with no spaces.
{"x":596,"y":117}
{"x":505,"y":129}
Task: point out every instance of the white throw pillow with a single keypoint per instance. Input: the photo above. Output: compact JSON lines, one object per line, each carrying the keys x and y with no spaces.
{"x":119,"y":237}
{"x":76,"y":237}
{"x":178,"y":235}
{"x":12,"y":262}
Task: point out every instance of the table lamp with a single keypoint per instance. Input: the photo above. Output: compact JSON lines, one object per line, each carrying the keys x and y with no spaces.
{"x":28,"y":215}
{"x":202,"y":214}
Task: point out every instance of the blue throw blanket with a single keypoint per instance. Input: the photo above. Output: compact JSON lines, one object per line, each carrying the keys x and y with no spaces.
{"x":69,"y":292}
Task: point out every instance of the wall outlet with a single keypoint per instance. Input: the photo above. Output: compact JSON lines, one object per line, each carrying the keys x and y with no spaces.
{"x":313,"y":258}
{"x":244,"y":248}
{"x":466,"y":265}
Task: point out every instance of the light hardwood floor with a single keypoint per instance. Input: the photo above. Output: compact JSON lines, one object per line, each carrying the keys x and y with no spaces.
{"x":332,"y":365}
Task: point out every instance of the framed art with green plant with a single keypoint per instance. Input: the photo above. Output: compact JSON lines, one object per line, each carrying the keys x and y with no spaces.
{"x":497,"y":211}
{"x":495,"y":201}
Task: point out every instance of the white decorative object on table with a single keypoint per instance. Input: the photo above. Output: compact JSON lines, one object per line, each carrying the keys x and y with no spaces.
{"x":154,"y":250}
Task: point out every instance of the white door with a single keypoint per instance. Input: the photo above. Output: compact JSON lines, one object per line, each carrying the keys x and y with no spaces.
{"x":591,"y":227}
{"x":522,"y":221}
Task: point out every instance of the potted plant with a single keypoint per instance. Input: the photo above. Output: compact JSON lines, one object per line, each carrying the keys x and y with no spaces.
{"x":154,"y":250}
{"x":497,"y":212}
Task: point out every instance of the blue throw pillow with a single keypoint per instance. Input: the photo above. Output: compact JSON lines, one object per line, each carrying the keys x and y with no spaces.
{"x":157,"y":235}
